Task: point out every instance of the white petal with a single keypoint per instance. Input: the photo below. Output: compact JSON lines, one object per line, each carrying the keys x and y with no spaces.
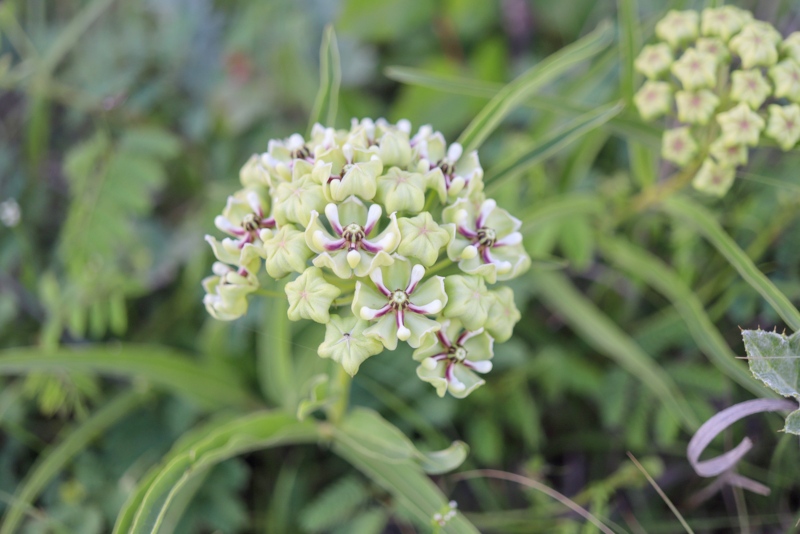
{"x":429,"y":363}
{"x":403,"y":333}
{"x":454,"y":152}
{"x":353,"y":258}
{"x":469,"y":252}
{"x":483,"y":366}
{"x":514,"y":238}
{"x":373,"y":215}
{"x":332,"y":213}
{"x":487,"y":208}
{"x":404,"y":125}
{"x":416,"y":275}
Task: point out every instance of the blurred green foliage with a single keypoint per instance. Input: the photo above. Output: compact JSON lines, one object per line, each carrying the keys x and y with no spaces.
{"x":124,"y":125}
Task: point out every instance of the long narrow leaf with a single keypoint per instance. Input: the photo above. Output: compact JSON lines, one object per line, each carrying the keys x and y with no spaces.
{"x":554,"y":142}
{"x":252,"y":432}
{"x":52,"y":462}
{"x":625,"y":124}
{"x":407,"y":483}
{"x":560,"y":207}
{"x":685,"y":210}
{"x":605,"y":336}
{"x":513,"y":94}
{"x":330,"y":77}
{"x":655,"y":273}
{"x":166,"y":368}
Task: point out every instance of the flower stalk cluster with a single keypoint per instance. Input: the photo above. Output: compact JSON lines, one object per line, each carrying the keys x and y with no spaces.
{"x":723,"y":80}
{"x":383,"y":236}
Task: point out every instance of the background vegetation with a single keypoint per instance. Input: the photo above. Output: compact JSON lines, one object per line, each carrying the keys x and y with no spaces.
{"x":123,"y":127}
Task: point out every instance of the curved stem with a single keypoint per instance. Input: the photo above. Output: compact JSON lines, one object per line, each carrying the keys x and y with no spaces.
{"x":341,"y":389}
{"x":439,"y":266}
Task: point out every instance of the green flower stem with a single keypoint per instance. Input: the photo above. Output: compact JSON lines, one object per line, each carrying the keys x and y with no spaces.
{"x":665,"y":189}
{"x":347,"y":286}
{"x":341,"y":390}
{"x":442,"y":264}
{"x":430,"y":201}
{"x":344,"y":300}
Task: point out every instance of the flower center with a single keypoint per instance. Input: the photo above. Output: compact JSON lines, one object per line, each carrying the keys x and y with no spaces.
{"x":353,"y":234}
{"x":486,"y":236}
{"x":301,"y":153}
{"x":251,"y":222}
{"x":399,"y":299}
{"x":457,"y":352}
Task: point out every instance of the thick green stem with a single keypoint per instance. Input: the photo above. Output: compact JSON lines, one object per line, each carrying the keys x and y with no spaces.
{"x":341,"y":390}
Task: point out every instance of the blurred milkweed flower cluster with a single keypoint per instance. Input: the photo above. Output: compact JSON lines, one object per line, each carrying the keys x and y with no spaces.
{"x":723,"y":79}
{"x":360,"y":222}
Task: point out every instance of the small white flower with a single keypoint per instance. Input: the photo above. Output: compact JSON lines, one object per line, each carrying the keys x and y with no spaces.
{"x":10,"y":213}
{"x":654,"y":60}
{"x":786,"y":76}
{"x":678,"y":27}
{"x":695,"y":69}
{"x":696,"y":107}
{"x":678,"y":146}
{"x":784,"y":125}
{"x":750,"y":87}
{"x":653,"y":100}
{"x":741,"y":125}
{"x":714,"y":178}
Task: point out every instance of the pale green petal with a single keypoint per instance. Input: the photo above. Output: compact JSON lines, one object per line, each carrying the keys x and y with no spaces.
{"x":503,"y":314}
{"x":359,"y":179}
{"x":314,"y":226}
{"x":419,"y":326}
{"x":395,"y":149}
{"x":422,"y":238}
{"x":370,"y":262}
{"x":468,"y":378}
{"x":310,"y":296}
{"x":434,"y":376}
{"x":366,"y":295}
{"x":426,"y":292}
{"x":295,"y":200}
{"x":397,"y":275}
{"x":467,"y":300}
{"x":336,"y":261}
{"x":457,"y":242}
{"x":352,"y":211}
{"x":475,"y":266}
{"x":400,"y":190}
{"x":346,"y":343}
{"x":384,"y":330}
{"x":516,"y":256}
{"x":286,"y":252}
{"x":480,"y":347}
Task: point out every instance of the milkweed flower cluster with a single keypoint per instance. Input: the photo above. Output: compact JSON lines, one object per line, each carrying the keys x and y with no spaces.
{"x":723,"y":79}
{"x":385,"y":237}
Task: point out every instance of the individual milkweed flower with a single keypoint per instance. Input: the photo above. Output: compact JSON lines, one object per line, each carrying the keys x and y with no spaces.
{"x":653,"y":100}
{"x":740,"y":125}
{"x":722,"y":22}
{"x":244,"y":217}
{"x":678,"y":27}
{"x":714,"y":47}
{"x":714,"y":178}
{"x":755,"y":46}
{"x":346,"y":344}
{"x":421,"y":238}
{"x":450,"y":358}
{"x":784,"y":125}
{"x":394,"y":148}
{"x":286,"y":252}
{"x":397,"y":303}
{"x":791,"y":46}
{"x":254,"y":173}
{"x":696,"y":107}
{"x":485,"y":241}
{"x":400,"y":190}
{"x":349,"y":172}
{"x":226,"y":292}
{"x":294,"y":201}
{"x":450,"y":170}
{"x":467,"y":300}
{"x":654,"y":60}
{"x":678,"y":146}
{"x":350,"y":250}
{"x":282,"y":155}
{"x":502,"y":314}
{"x":786,"y":76}
{"x":729,"y":155}
{"x":230,"y":251}
{"x":695,"y":70}
{"x":310,"y":296}
{"x":750,"y":87}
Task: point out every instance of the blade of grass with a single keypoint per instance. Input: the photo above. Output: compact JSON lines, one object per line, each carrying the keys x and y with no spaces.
{"x":164,"y":367}
{"x":559,"y":207}
{"x":330,"y":78}
{"x":661,"y":494}
{"x":687,"y":211}
{"x":538,"y":486}
{"x":552,"y":143}
{"x":518,"y":90}
{"x":604,"y":335}
{"x":641,"y":264}
{"x":51,"y":462}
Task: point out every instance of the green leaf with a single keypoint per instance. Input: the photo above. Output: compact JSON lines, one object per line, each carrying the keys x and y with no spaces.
{"x":626,"y":124}
{"x":530,"y":81}
{"x":603,"y":334}
{"x":318,"y":396}
{"x":552,"y":143}
{"x":685,"y":210}
{"x":330,"y":77}
{"x":406,"y":481}
{"x":793,"y":423}
{"x":775,"y":360}
{"x":149,"y":504}
{"x":555,"y":208}
{"x":165,"y":368}
{"x":641,"y":264}
{"x":275,"y":368}
{"x":444,"y":461}
{"x":51,"y":462}
{"x":336,"y":504}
